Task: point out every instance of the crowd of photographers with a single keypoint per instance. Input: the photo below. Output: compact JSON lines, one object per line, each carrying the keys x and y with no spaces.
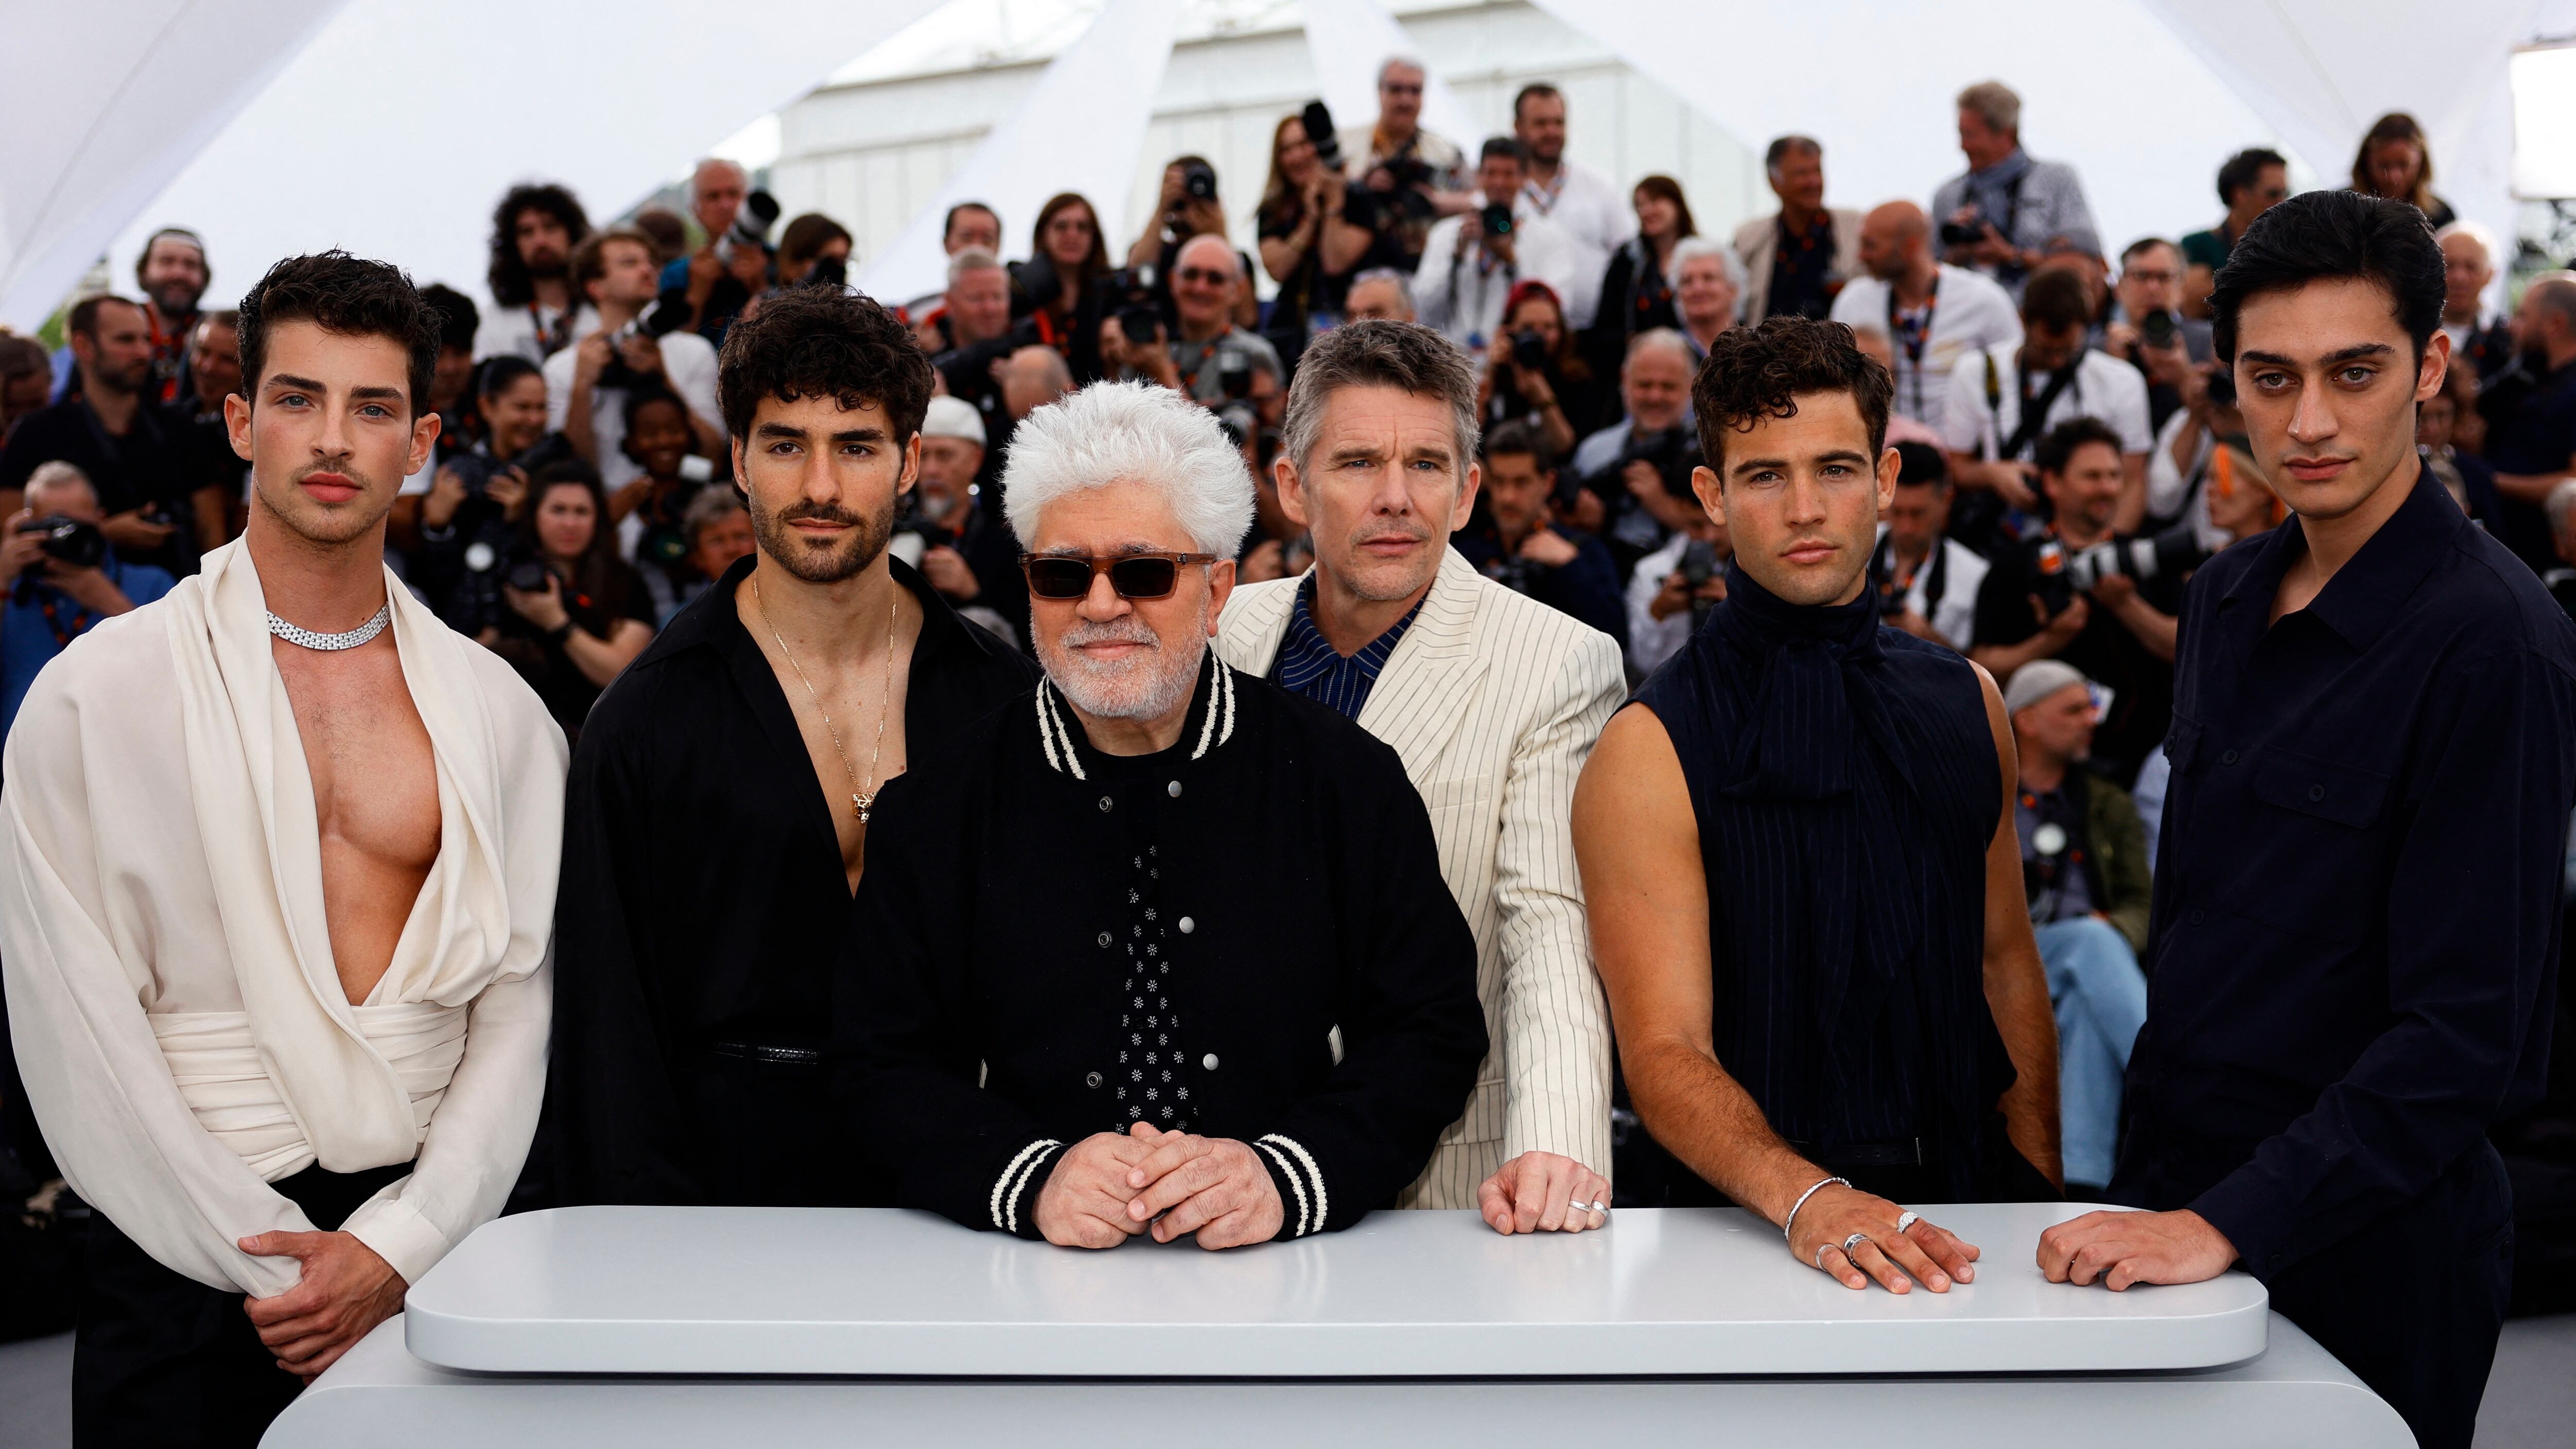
{"x":2070,"y":449}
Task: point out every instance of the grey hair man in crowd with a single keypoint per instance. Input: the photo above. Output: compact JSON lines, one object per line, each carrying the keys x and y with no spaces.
{"x":1059,"y":1030}
{"x":1492,"y":700}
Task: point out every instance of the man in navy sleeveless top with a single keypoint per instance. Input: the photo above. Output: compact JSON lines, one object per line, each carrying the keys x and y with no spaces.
{"x":1799,"y":862}
{"x":2356,"y":927}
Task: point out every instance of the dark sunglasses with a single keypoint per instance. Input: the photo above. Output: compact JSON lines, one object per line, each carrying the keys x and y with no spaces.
{"x":1203,"y":276}
{"x":1131,"y":575}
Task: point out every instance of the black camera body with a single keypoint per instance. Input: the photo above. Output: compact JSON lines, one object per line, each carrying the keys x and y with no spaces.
{"x":1529,"y":351}
{"x":75,"y":543}
{"x":1318,"y":121}
{"x":1668,"y":452}
{"x":1234,"y":373}
{"x":1198,"y":181}
{"x":2063,"y":572}
{"x":1496,"y":218}
{"x":1699,"y":564}
{"x":2158,"y":328}
{"x":1130,"y":295}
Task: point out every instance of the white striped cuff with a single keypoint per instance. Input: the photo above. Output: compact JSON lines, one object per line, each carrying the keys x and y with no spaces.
{"x":1298,"y":1166}
{"x":1015,"y":1180}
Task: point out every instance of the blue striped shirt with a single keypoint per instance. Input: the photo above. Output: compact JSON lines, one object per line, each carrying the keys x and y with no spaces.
{"x":1308,"y":664}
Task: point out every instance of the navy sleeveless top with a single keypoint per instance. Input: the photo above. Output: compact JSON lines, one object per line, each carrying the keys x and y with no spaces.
{"x":1846,"y":788}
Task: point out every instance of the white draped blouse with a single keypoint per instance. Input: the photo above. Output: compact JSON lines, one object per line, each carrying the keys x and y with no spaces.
{"x":178,"y":1019}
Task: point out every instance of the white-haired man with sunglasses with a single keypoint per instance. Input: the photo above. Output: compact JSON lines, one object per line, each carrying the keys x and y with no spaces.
{"x":1167,"y":950}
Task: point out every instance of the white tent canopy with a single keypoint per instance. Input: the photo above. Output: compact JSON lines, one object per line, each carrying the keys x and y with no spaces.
{"x":278,"y":126}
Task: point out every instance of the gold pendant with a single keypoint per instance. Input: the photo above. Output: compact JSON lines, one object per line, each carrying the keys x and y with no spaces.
{"x":860,"y":805}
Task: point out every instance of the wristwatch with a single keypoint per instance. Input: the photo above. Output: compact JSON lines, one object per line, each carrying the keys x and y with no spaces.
{"x":560,"y":632}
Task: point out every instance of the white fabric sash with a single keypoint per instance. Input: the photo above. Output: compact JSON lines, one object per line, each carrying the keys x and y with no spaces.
{"x":253,"y":796}
{"x":215,"y":1060}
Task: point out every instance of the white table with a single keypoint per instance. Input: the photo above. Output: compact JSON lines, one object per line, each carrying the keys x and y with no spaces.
{"x":784,"y":1327}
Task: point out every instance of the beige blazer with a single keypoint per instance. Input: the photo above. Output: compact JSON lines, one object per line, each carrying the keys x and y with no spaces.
{"x":1493,"y":702}
{"x":1757,"y":245}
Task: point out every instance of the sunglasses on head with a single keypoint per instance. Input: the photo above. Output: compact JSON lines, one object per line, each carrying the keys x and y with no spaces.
{"x":1131,"y":575}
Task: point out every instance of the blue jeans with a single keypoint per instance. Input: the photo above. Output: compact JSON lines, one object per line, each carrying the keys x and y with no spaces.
{"x":2101,"y":1001}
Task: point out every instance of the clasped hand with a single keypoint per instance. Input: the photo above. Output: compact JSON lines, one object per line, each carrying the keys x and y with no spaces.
{"x":1921,"y":1253}
{"x":343,"y":1292}
{"x":1109,"y":1188}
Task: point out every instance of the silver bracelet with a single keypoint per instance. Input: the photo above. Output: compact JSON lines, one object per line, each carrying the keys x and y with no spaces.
{"x":1792,"y":1220}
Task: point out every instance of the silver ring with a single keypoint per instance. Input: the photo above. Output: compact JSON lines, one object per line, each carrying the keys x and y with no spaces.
{"x":1907,"y":1220}
{"x":1820,"y":1256}
{"x":1592,"y":1207}
{"x":1855,"y":1240}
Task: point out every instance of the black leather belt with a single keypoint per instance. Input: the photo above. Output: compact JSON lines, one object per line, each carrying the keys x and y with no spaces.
{"x":752,"y":1051}
{"x":1903,"y":1152}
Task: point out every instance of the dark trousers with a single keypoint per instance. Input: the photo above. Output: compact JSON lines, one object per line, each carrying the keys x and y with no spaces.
{"x":162,"y":1360}
{"x":2412,"y":1304}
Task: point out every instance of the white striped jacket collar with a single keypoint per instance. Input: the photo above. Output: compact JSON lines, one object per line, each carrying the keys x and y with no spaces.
{"x":1216,"y":719}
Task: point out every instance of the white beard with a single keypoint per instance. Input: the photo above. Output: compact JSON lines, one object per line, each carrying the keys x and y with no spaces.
{"x":1144,"y":686}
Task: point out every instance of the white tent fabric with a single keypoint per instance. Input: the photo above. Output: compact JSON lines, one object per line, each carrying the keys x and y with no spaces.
{"x":103,"y":105}
{"x":2105,"y":86}
{"x":395,"y":129}
{"x":2320,"y":71}
{"x":1108,"y":79}
{"x":1349,"y":40}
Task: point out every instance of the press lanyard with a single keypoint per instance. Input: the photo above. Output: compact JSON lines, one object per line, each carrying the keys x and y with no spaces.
{"x":1912,"y":341}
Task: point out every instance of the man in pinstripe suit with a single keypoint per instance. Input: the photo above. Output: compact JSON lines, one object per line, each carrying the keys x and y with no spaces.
{"x":1493,"y":701}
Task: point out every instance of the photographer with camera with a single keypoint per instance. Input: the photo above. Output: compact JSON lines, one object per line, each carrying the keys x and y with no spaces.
{"x":1216,"y":362}
{"x":967,"y":551}
{"x":1932,"y":313}
{"x":2001,"y":400}
{"x":1927,"y":582}
{"x":60,"y":576}
{"x":2078,"y":593}
{"x":637,"y":345}
{"x":1309,"y":245}
{"x":709,"y":287}
{"x":577,"y":614}
{"x":1408,"y":177}
{"x":1058,"y":291}
{"x":1473,"y":260}
{"x":475,"y":498}
{"x":1671,"y":590}
{"x":1534,"y":372}
{"x":814,"y":249}
{"x":1634,"y":475}
{"x":974,"y":321}
{"x":122,"y":444}
{"x":1585,"y":205}
{"x":1188,"y":209}
{"x":1999,"y":214}
{"x":2149,"y":332}
{"x":1513,"y":540}
{"x":537,"y":311}
{"x":647,"y":513}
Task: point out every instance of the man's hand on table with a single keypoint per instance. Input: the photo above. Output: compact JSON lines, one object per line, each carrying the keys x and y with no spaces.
{"x":2121,"y":1248}
{"x":1213,"y":1186}
{"x":1084,"y":1202}
{"x":1539,"y":1192}
{"x":1932,"y":1256}
{"x":344,"y":1292}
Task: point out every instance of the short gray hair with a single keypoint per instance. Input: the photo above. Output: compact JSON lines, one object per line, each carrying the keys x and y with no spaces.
{"x":1994,"y":103}
{"x":1130,"y":432}
{"x":1692,"y":248}
{"x":710,"y":507}
{"x":1402,"y":280}
{"x":971,"y":259}
{"x":2474,"y":231}
{"x":59,"y":474}
{"x":1380,"y":352}
{"x":1409,"y":62}
{"x":1662,"y":339}
{"x":700,"y":169}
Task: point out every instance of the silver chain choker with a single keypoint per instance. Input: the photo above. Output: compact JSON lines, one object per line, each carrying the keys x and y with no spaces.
{"x":332,"y":643}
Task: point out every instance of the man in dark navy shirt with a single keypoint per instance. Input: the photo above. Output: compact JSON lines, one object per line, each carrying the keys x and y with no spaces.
{"x":2356,"y":909}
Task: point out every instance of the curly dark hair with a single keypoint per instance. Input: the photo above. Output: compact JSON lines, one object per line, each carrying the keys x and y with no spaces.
{"x":348,"y":297}
{"x":823,"y":342}
{"x":2320,"y":236}
{"x":508,"y":276}
{"x":1760,"y":372}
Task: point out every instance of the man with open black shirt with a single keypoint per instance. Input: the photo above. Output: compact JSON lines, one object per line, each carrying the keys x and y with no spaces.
{"x":2357,"y":905}
{"x":720,"y":799}
{"x":2121,"y":634}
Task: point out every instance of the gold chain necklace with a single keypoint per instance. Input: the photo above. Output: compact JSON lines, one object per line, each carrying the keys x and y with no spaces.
{"x":863,"y":798}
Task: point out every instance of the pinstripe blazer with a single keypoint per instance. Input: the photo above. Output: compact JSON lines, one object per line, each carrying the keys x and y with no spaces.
{"x":1493,"y":702}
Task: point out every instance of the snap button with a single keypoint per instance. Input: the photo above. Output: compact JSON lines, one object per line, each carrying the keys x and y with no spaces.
{"x":1208,"y":1061}
{"x":2316,"y":793}
{"x":2195,"y":918}
{"x":1188,"y":925}
{"x":1091,"y":1079}
{"x":2226,"y":759}
{"x":1104,"y":940}
{"x":1104,"y":804}
{"x":1173,"y":789}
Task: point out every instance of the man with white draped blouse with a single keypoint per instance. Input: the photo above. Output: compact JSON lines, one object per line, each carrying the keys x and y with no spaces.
{"x":277,"y":878}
